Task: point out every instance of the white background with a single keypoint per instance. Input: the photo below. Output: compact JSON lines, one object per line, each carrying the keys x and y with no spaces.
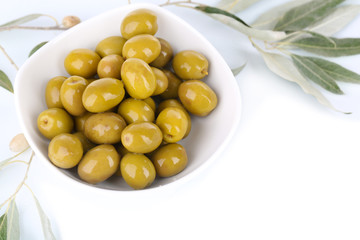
{"x":290,"y":172}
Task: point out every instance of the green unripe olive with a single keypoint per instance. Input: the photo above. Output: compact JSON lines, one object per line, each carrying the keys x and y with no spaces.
{"x":65,"y":150}
{"x":80,"y":121}
{"x":138,"y":78}
{"x":99,"y":163}
{"x":161,"y":81}
{"x":136,"y":110}
{"x":82,"y":62}
{"x":71,"y":93}
{"x":141,"y":21}
{"x":165,"y":55}
{"x":190,"y":65}
{"x":54,"y":121}
{"x":151,"y":103}
{"x":52,"y":92}
{"x":169,"y":159}
{"x":137,"y":170}
{"x":173,"y":85}
{"x":141,"y":137}
{"x":110,"y":45}
{"x":86,"y":144}
{"x":197,"y":97}
{"x":144,"y":46}
{"x":103,"y":94}
{"x":104,"y":128}
{"x":173,"y":123}
{"x":109,"y":66}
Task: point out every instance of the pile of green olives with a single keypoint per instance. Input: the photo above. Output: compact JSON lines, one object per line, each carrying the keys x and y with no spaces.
{"x":125,"y":106}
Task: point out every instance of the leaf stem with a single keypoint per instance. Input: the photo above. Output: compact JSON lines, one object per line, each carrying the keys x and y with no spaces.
{"x":168,"y":3}
{"x":56,"y":27}
{"x":9,"y":58}
{"x":9,"y":159}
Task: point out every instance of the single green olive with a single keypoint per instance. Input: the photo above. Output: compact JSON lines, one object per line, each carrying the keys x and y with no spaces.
{"x":165,"y":55}
{"x":136,"y":110}
{"x":161,"y":81}
{"x":52,"y":92}
{"x":140,"y":21}
{"x":65,"y":150}
{"x":80,"y":121}
{"x":82,"y":62}
{"x":109,"y":66}
{"x":98,"y":164}
{"x":54,"y":121}
{"x":110,"y":45}
{"x":137,"y":170}
{"x":71,"y":95}
{"x":190,"y":64}
{"x":173,"y":85}
{"x":144,"y":46}
{"x":86,"y":144}
{"x":151,"y":103}
{"x":173,"y":123}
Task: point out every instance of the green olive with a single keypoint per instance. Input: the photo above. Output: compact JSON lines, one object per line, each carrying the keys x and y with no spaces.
{"x":138,"y":78}
{"x":137,"y":170}
{"x":169,"y":159}
{"x":103,"y":94}
{"x":141,"y":137}
{"x":141,"y":21}
{"x":190,"y":65}
{"x":109,"y":66}
{"x":65,"y":150}
{"x":52,"y":92}
{"x":82,"y":62}
{"x":136,"y":110}
{"x":71,"y":95}
{"x":86,"y":144}
{"x":151,"y":103}
{"x":165,"y":56}
{"x":173,"y":85}
{"x":99,"y":163}
{"x":144,"y":46}
{"x":54,"y":121}
{"x":104,"y":128}
{"x":110,"y":45}
{"x":161,"y":81}
{"x":173,"y":123}
{"x":80,"y":121}
{"x":197,"y":97}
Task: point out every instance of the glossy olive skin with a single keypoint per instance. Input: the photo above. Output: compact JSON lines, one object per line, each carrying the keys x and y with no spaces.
{"x":141,"y":21}
{"x":65,"y":150}
{"x":161,"y":81}
{"x":104,"y":128}
{"x":137,"y":170}
{"x":52,"y":92}
{"x":136,"y":110}
{"x":141,"y":137}
{"x":109,"y":66}
{"x":173,"y":85}
{"x":138,"y":78}
{"x":82,"y":62}
{"x":151,"y":103}
{"x":71,"y":95}
{"x":86,"y":144}
{"x":169,"y":159}
{"x":190,"y":64}
{"x":197,"y":97}
{"x":173,"y":123}
{"x":54,"y":121}
{"x":80,"y":121}
{"x":110,"y":45}
{"x":165,"y":55}
{"x":103,"y":94}
{"x":175,"y":103}
{"x":99,"y":163}
{"x":143,"y":46}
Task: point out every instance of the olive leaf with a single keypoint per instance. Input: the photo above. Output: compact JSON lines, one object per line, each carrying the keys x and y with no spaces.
{"x":285,"y":68}
{"x":235,"y":6}
{"x":3,"y":227}
{"x":237,"y":70}
{"x":337,"y":47}
{"x":5,"y":82}
{"x":13,"y":226}
{"x":45,"y":222}
{"x":214,"y":10}
{"x":306,"y":14}
{"x":37,"y":47}
{"x":23,"y":20}
{"x":228,"y":19}
{"x":315,"y":73}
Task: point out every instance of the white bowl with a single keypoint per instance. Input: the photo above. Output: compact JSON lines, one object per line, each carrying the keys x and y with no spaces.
{"x":209,"y":134}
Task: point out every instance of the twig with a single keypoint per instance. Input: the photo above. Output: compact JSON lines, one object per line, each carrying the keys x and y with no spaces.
{"x":58,"y":28}
{"x":9,"y":58}
{"x":168,"y":3}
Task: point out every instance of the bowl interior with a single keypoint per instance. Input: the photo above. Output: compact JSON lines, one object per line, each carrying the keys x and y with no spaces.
{"x":208,"y":136}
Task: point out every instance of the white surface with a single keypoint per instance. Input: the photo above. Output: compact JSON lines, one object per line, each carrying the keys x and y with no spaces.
{"x":290,"y":172}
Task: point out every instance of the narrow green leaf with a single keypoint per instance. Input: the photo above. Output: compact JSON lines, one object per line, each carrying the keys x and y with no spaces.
{"x":235,"y":6}
{"x":237,"y":70}
{"x":37,"y":47}
{"x":22,"y":20}
{"x":306,"y":14}
{"x":3,"y":227}
{"x":335,"y":70}
{"x":285,"y":68}
{"x":313,"y":72}
{"x":45,"y":222}
{"x":5,"y":82}
{"x":321,"y":46}
{"x":13,"y":226}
